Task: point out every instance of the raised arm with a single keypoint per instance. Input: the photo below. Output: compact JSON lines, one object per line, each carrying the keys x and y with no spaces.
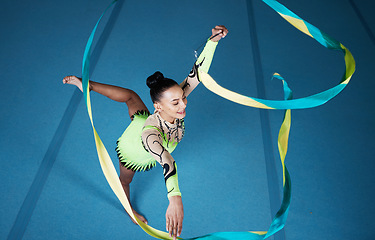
{"x":204,"y":60}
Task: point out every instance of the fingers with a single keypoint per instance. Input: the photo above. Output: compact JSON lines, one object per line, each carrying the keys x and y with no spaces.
{"x":218,"y":32}
{"x":169,"y":226}
{"x":222,"y":30}
{"x":174,"y":227}
{"x":175,"y":232}
{"x":179,"y":228}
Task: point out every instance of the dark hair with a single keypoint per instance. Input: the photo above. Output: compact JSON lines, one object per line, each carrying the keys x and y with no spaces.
{"x":158,"y":84}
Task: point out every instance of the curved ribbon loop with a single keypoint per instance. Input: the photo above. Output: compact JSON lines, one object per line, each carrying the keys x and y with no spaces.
{"x":280,"y":218}
{"x":306,"y":102}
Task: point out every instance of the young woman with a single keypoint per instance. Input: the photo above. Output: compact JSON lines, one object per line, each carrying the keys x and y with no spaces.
{"x":151,"y":138}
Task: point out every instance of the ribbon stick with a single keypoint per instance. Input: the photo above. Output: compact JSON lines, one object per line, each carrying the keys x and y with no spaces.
{"x":300,"y":103}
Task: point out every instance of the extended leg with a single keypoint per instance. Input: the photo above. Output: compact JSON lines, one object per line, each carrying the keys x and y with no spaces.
{"x":119,"y":94}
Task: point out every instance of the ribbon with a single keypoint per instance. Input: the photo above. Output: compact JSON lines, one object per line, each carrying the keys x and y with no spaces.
{"x":306,"y":102}
{"x":279,"y":220}
{"x":106,"y":163}
{"x":315,"y":100}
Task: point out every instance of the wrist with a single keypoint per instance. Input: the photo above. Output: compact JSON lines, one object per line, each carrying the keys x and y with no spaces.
{"x":175,"y":199}
{"x":211,"y":42}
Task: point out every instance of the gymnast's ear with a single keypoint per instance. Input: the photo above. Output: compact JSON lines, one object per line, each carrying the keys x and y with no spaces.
{"x":157,"y":107}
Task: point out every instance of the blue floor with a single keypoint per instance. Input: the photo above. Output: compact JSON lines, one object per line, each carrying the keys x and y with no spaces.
{"x":52,"y":185}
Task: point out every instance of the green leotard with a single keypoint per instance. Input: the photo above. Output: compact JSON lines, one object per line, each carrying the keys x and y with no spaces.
{"x":150,"y":139}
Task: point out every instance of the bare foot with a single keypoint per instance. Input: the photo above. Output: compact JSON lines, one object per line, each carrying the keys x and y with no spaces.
{"x":73,"y":80}
{"x":140,"y":217}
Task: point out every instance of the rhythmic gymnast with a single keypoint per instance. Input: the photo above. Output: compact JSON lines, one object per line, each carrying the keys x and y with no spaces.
{"x":151,"y":138}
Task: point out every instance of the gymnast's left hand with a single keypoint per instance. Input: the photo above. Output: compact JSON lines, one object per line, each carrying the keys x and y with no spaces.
{"x":174,"y":216}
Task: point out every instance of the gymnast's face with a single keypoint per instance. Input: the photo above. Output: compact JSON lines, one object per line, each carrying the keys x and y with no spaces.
{"x":172,"y":104}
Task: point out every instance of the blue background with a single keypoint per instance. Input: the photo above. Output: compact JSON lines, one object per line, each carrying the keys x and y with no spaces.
{"x":223,"y":175}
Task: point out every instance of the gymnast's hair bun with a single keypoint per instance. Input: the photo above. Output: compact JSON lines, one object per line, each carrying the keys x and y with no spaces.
{"x":154,"y":79}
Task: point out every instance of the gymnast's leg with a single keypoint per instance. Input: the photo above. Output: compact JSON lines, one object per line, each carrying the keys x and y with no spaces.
{"x":119,"y":94}
{"x":126,"y":177}
{"x":134,"y":104}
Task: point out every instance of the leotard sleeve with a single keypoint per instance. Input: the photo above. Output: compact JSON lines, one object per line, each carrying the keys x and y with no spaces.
{"x":203,"y":63}
{"x":153,"y":142}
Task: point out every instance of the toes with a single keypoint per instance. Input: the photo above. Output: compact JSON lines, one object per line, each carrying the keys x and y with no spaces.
{"x":143,"y":219}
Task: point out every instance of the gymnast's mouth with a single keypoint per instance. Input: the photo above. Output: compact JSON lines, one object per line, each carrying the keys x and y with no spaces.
{"x":181,"y":112}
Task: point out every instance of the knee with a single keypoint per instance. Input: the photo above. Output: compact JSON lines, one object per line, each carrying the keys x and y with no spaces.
{"x":126,"y":175}
{"x":125,"y":180}
{"x":131,"y":97}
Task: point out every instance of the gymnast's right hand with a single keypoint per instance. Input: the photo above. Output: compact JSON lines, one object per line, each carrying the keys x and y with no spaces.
{"x":174,"y":216}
